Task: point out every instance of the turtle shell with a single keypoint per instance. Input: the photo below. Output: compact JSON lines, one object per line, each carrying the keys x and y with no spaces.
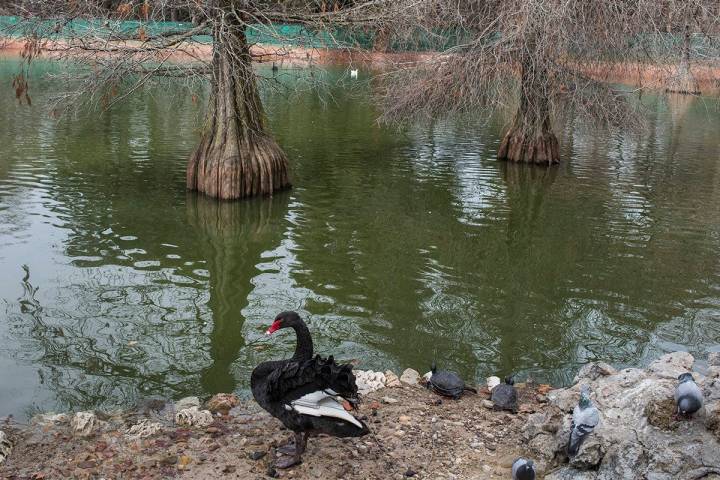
{"x":448,"y":384}
{"x":504,"y":397}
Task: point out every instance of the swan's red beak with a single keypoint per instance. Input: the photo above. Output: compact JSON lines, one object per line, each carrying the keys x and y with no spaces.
{"x":274,"y":327}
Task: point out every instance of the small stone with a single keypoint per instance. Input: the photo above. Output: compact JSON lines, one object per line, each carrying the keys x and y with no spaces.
{"x":410,"y":472}
{"x":187,"y":402}
{"x":50,"y":419}
{"x":193,"y":417}
{"x":392,"y":380}
{"x":492,"y":382}
{"x":257,"y":455}
{"x":404,"y":419}
{"x":486,"y":468}
{"x":410,"y":376}
{"x":714,"y":359}
{"x":389,"y":400}
{"x":143,"y":429}
{"x":222,"y":403}
{"x":399,"y":433}
{"x":487,"y":404}
{"x":229,"y":469}
{"x":84,"y":424}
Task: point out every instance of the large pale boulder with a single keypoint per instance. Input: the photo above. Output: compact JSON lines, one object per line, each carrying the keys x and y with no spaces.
{"x":638,"y":436}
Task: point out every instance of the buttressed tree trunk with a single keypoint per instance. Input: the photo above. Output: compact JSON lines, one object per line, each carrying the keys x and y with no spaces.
{"x":236,"y":157}
{"x":530,"y":138}
{"x":683,"y":81}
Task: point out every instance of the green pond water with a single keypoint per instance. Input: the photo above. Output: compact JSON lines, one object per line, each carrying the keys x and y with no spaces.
{"x":399,"y":248}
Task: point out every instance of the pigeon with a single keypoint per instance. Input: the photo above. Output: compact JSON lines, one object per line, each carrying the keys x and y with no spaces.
{"x":688,"y":396}
{"x":523,"y":469}
{"x":584,"y":420}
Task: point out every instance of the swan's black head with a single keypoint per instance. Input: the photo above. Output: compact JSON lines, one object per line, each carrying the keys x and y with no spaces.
{"x":284,"y":320}
{"x":510,"y":379}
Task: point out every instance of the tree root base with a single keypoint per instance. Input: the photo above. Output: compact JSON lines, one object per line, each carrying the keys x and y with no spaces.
{"x":519,"y":147}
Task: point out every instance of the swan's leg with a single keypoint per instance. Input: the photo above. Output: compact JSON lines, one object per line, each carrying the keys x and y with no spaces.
{"x":288,"y":449}
{"x":287,"y":462}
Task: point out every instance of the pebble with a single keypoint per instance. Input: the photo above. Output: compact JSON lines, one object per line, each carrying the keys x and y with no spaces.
{"x":84,"y":423}
{"x":486,"y":468}
{"x":257,"y":455}
{"x":487,"y":404}
{"x":392,"y":380}
{"x":404,"y":419}
{"x":389,"y":400}
{"x":410,"y":472}
{"x":187,"y":402}
{"x":410,"y":376}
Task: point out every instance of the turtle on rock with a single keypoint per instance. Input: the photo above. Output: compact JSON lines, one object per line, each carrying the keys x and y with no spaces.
{"x":504,"y":396}
{"x":447,"y":384}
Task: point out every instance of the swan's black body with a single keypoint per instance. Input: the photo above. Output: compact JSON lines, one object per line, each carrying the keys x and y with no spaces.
{"x":275,"y":384}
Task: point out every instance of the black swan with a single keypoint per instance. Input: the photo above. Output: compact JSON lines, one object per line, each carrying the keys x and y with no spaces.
{"x":306,"y":393}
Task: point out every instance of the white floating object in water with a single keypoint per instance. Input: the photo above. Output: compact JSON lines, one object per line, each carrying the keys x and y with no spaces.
{"x":354,"y":73}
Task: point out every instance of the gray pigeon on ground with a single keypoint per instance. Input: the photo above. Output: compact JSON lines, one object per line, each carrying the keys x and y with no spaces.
{"x":584,"y":420}
{"x":523,"y":469}
{"x":688,"y":396}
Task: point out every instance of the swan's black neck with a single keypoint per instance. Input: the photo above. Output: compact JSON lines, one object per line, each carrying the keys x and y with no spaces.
{"x":304,"y":347}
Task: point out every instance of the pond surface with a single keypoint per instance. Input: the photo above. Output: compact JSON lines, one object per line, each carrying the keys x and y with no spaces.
{"x":398,"y":248}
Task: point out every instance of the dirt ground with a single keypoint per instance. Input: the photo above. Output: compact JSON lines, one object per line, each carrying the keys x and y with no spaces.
{"x":415,"y":433}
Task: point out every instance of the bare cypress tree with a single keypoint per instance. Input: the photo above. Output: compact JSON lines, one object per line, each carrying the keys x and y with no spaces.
{"x":124,"y":48}
{"x":542,"y":56}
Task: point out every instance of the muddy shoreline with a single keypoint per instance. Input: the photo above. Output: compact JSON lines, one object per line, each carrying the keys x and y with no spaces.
{"x":651,"y":76}
{"x":415,"y":434}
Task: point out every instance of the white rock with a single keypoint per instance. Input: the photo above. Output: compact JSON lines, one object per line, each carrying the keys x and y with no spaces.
{"x":84,"y":424}
{"x":187,"y":402}
{"x":143,"y":429}
{"x":193,"y":417}
{"x":389,"y":400}
{"x":410,"y":376}
{"x":368,"y":381}
{"x":427,"y":376}
{"x":5,"y":447}
{"x":492,"y":382}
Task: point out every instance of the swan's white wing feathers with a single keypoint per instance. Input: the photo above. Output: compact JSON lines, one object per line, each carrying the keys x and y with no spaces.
{"x":322,"y":404}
